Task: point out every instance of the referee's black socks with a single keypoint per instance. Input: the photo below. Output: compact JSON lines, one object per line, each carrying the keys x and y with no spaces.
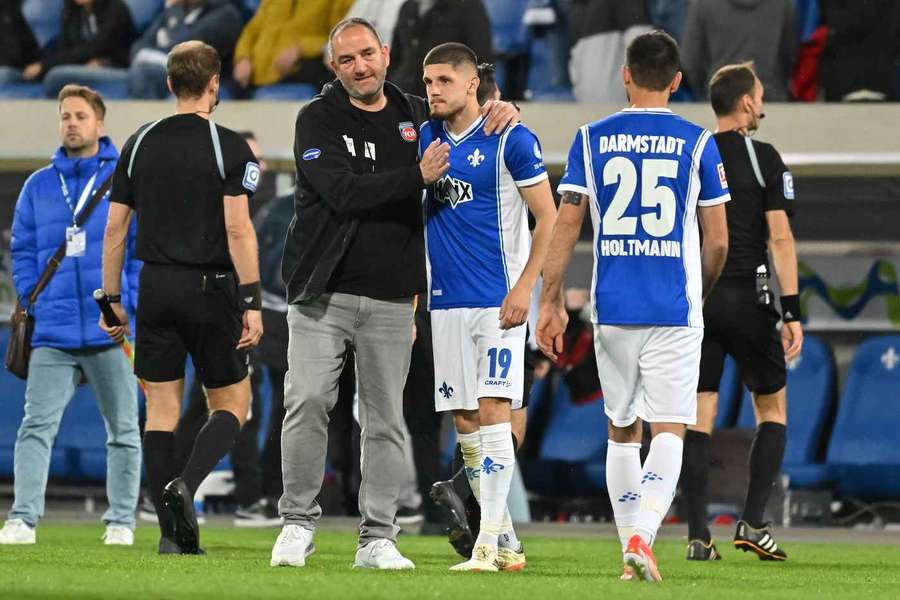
{"x":694,"y":483}
{"x":159,"y":460}
{"x":212,"y":443}
{"x":766,"y":455}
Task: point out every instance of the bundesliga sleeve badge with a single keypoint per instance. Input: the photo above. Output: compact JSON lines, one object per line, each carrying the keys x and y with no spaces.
{"x":408,"y":131}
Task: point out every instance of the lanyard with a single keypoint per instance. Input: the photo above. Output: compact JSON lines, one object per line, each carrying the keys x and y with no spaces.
{"x":85,"y":193}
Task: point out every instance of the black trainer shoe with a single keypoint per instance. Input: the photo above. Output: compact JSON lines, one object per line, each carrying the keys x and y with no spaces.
{"x":178,"y":501}
{"x":761,"y":541}
{"x":459,"y":534}
{"x":699,"y":550}
{"x":168,"y":546}
{"x":261,"y":513}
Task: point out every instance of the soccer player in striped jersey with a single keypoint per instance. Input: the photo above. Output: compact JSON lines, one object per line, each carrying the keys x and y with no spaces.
{"x":482,"y":267}
{"x":649,"y":177}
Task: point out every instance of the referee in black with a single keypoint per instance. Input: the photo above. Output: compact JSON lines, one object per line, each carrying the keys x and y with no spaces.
{"x":740,"y":314}
{"x":189,"y":181}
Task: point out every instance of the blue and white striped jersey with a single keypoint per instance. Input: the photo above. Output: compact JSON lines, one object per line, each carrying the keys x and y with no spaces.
{"x":476,"y":223}
{"x":645,"y":172}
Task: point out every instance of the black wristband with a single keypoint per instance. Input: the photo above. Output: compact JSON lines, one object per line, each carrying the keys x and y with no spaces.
{"x":790,"y":308}
{"x":249,"y":296}
{"x":114,"y":298}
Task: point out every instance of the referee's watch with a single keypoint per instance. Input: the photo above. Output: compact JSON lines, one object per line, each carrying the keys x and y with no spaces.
{"x":114,"y":298}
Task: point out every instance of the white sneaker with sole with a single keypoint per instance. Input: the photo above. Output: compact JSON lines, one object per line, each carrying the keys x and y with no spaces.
{"x":484,"y":560}
{"x":117,"y":535}
{"x":17,"y":531}
{"x":293,"y":545}
{"x":381,"y":554}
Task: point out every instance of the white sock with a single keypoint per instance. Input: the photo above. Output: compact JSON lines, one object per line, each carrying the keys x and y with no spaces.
{"x":508,"y":538}
{"x":623,"y":481}
{"x":497,"y":464}
{"x":470,"y":446}
{"x":658,"y":482}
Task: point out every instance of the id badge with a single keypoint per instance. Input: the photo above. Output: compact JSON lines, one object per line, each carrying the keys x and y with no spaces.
{"x":76,"y":241}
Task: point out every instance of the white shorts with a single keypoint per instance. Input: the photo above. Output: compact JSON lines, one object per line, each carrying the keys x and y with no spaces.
{"x":649,"y":373}
{"x":474,"y":358}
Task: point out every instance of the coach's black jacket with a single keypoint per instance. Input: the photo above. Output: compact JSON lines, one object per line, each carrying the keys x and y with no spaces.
{"x":335,"y":188}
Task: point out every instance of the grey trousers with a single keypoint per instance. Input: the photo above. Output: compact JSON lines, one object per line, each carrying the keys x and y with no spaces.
{"x":322,"y":331}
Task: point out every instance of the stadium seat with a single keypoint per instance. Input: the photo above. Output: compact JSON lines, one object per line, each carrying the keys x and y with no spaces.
{"x":729,"y":392}
{"x":45,"y":19}
{"x":509,"y":36}
{"x":144,"y":11}
{"x":21,"y":91}
{"x":286,"y":91}
{"x":541,"y":86}
{"x":811,"y":393}
{"x":863,"y":455}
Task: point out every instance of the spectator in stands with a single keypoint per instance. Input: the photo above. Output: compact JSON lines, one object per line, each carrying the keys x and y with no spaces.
{"x":18,"y":47}
{"x":67,"y":343}
{"x":424,"y":24}
{"x":603,"y":29}
{"x":216,"y":22}
{"x":284,"y":43}
{"x":380,"y":13}
{"x":861,"y":51}
{"x":43,"y":18}
{"x":721,"y":32}
{"x":92,"y":47}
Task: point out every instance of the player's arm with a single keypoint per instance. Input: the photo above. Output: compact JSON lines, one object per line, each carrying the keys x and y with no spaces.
{"x":552,"y":318}
{"x":115,"y":237}
{"x":539,"y":199}
{"x":242,"y":247}
{"x":715,"y":244}
{"x":784,"y":256}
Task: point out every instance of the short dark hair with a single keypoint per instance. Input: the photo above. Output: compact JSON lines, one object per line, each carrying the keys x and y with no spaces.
{"x":92,"y":97}
{"x":190,"y":66}
{"x":728,"y":85}
{"x":346,"y":24}
{"x":653,"y":60}
{"x":487,"y":85}
{"x":451,"y":53}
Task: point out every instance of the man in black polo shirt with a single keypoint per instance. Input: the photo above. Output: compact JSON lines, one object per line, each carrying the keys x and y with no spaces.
{"x":353,"y":261}
{"x":740,"y":316}
{"x":189,"y":180}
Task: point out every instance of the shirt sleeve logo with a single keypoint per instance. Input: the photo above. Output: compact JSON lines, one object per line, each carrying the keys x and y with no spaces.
{"x":312,"y":154}
{"x":251,"y":176}
{"x":537,"y":151}
{"x":788,"y":185}
{"x":408,"y":131}
{"x":722,"y":178}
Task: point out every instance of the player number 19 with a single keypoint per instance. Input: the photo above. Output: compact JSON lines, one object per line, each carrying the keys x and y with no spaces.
{"x":501,"y":356}
{"x":658,"y":223}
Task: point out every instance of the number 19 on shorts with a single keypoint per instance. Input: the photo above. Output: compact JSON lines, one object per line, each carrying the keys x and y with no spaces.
{"x":499,"y":357}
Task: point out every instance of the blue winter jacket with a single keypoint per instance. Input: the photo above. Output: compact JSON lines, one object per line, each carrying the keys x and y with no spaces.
{"x":65,"y":313}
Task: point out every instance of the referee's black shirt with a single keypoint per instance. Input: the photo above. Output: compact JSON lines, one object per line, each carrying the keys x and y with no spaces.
{"x":176,"y":189}
{"x":748,"y":231}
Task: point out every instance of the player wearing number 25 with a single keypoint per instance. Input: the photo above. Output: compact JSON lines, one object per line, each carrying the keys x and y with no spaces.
{"x":482,"y":266}
{"x":649,"y":177}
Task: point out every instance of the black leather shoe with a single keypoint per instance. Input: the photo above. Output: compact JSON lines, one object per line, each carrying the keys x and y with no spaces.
{"x":460,"y":536}
{"x":168,"y":546}
{"x":700,"y":550}
{"x":177,"y":499}
{"x":760,"y":541}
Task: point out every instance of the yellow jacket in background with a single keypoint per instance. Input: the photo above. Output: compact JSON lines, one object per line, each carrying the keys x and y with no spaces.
{"x":280,"y":24}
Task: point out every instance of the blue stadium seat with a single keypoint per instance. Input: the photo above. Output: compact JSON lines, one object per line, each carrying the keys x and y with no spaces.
{"x":572,"y":458}
{"x":811,"y":393}
{"x":863,"y":455}
{"x":144,"y":11}
{"x":21,"y":91}
{"x":729,"y":392}
{"x":45,"y":19}
{"x":541,"y":86}
{"x":286,"y":91}
{"x":509,"y":36}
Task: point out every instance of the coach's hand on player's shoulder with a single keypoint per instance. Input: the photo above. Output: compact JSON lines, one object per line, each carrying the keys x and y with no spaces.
{"x":253,"y":329}
{"x":551,"y":325}
{"x":435,"y":161}
{"x":792,"y":340}
{"x":499,"y":115}
{"x":117,"y":332}
{"x":514,"y":309}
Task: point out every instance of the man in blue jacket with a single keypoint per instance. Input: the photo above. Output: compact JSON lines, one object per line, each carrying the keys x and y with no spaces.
{"x":67,"y":342}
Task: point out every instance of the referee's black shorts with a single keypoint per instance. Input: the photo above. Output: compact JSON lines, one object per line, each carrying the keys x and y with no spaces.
{"x":183,"y":310}
{"x":736,"y":324}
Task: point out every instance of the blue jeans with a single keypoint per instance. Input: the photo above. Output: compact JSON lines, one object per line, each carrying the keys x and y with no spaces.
{"x":52,"y":377}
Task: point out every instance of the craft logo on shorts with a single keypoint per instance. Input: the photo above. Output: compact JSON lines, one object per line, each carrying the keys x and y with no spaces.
{"x":312,"y":154}
{"x":408,"y":131}
{"x":722,"y":179}
{"x":251,"y":176}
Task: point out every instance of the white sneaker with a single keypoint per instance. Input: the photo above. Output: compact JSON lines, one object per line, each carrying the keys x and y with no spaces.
{"x":293,"y":545}
{"x":17,"y":531}
{"x":484,"y":560}
{"x":381,"y":554}
{"x":117,"y":535}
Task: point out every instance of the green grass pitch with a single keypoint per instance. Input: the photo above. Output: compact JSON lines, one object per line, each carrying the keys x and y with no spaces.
{"x":70,"y":561}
